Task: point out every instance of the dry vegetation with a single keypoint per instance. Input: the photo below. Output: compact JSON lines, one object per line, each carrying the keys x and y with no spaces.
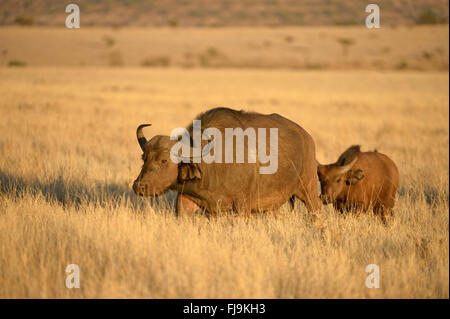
{"x":313,"y":48}
{"x":217,"y":13}
{"x":68,"y":155}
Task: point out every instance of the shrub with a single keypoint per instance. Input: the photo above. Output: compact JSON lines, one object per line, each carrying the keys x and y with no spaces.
{"x":212,"y":52}
{"x":427,"y":55}
{"x":173,"y":23}
{"x":161,"y":61}
{"x":116,"y":58}
{"x":16,"y":63}
{"x":24,"y":20}
{"x":210,"y":57}
{"x":402,"y":65}
{"x":109,"y":41}
{"x":429,"y":17}
{"x":289,"y":38}
{"x":346,"y":43}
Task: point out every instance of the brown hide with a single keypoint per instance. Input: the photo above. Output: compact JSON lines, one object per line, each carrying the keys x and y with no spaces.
{"x":360,"y":180}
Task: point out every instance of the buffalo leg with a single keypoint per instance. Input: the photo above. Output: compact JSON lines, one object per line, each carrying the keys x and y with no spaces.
{"x":185,"y":207}
{"x":312,"y":201}
{"x":309,"y":186}
{"x":292,"y":202}
{"x":308,"y":193}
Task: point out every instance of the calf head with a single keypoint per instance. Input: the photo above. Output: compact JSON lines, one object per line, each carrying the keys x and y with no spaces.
{"x":336,"y":179}
{"x":159,"y":172}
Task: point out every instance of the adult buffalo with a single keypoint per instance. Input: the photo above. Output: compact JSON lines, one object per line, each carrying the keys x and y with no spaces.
{"x":238,"y":186}
{"x":359,"y":181}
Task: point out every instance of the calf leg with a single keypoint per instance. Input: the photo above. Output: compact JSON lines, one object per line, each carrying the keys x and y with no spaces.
{"x":383,"y":212}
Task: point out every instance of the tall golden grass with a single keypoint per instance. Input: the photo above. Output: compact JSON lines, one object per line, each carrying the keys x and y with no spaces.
{"x":68,"y":156}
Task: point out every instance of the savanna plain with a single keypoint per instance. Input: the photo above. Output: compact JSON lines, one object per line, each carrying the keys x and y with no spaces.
{"x":68,"y":156}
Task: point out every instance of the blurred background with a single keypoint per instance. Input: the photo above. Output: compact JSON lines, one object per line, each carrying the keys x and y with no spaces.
{"x":289,"y":34}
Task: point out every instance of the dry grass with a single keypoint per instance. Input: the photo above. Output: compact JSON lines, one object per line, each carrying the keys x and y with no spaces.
{"x":388,"y":48}
{"x":68,"y":155}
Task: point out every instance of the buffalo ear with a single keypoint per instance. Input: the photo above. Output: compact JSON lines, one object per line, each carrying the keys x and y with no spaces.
{"x":349,"y":155}
{"x":188,"y":171}
{"x":355,"y":177}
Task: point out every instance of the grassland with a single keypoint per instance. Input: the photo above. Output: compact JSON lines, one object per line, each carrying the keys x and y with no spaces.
{"x":68,"y":156}
{"x":308,"y":48}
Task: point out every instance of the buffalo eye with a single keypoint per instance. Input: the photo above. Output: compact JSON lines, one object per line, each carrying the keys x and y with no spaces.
{"x":164,"y":161}
{"x":347,"y":183}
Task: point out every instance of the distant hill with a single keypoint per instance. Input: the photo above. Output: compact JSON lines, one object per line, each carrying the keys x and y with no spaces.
{"x":217,"y":13}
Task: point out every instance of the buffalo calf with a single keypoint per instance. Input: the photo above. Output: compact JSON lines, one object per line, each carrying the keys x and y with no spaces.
{"x":359,"y":181}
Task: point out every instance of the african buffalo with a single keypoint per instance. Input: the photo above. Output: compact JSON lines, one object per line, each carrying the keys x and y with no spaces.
{"x":238,"y":186}
{"x":359,"y":181}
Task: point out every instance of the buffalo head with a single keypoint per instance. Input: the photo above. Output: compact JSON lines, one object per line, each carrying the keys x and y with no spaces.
{"x":159,"y":172}
{"x":336,"y":179}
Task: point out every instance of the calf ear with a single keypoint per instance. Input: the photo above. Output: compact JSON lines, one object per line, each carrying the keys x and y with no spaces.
{"x":188,"y":171}
{"x":355,"y":177}
{"x":349,"y":155}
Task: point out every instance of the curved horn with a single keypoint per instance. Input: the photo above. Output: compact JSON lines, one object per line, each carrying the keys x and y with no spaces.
{"x":345,"y":168}
{"x":140,"y":135}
